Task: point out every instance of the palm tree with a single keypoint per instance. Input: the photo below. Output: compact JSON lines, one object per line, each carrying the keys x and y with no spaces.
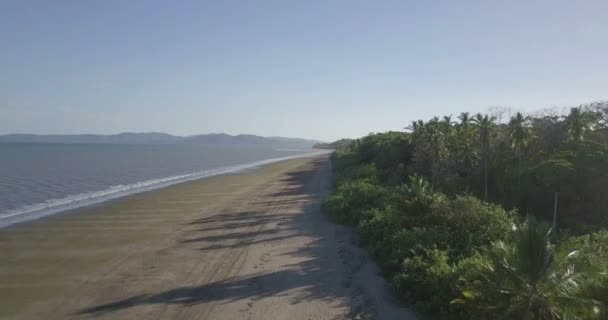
{"x":416,"y":126}
{"x":519,"y":135}
{"x":465,"y":143}
{"x":420,"y":194}
{"x":446,"y":126}
{"x":578,"y":123}
{"x":465,"y":120}
{"x":435,"y":139}
{"x":519,"y":131}
{"x":447,"y":121}
{"x":416,"y":129}
{"x":484,"y":125}
{"x":530,"y":279}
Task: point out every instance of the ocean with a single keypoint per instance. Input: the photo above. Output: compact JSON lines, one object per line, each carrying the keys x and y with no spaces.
{"x":37,"y":180}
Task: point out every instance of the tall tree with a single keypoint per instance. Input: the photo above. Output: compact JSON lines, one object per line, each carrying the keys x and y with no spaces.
{"x":447,"y":121}
{"x":465,"y":143}
{"x":484,"y":125}
{"x":519,"y":136}
{"x":578,"y":123}
{"x":436,"y":137}
{"x":465,"y":120}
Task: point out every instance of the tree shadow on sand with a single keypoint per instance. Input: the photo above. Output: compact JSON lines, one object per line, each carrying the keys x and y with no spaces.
{"x":316,"y":275}
{"x":302,"y":285}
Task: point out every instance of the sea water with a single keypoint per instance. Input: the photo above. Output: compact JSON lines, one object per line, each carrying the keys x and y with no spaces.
{"x":37,"y":180}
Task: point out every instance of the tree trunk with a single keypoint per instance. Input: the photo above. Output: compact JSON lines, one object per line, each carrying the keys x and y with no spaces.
{"x":518,"y":173}
{"x":485,"y":169}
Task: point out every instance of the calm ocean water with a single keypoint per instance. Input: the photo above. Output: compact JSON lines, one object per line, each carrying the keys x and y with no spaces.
{"x":41,"y":179}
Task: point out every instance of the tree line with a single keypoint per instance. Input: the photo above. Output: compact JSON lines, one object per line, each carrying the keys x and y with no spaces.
{"x":471,"y":217}
{"x":520,"y":164}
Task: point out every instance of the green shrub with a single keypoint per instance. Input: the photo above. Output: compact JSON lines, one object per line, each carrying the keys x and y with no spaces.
{"x":416,"y":234}
{"x":353,"y":198}
{"x":343,"y":158}
{"x":379,"y":225}
{"x":529,"y":278}
{"x":459,"y":225}
{"x":594,"y":247}
{"x":393,"y":248}
{"x":365,"y":172}
{"x":419,"y":257}
{"x":473,"y":224}
{"x":469,"y":272}
{"x":426,"y":281}
{"x":419,"y":196}
{"x":593,"y":243}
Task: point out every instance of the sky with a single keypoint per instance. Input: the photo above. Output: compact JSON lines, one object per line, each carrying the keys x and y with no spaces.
{"x":313,"y":69}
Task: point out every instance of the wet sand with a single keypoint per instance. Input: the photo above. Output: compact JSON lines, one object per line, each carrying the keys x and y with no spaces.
{"x":252,"y":245}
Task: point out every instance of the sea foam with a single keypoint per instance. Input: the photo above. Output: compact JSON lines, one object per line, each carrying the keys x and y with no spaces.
{"x":53,"y":206}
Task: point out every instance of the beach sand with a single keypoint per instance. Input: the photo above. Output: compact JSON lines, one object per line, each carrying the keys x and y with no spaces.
{"x":252,"y":245}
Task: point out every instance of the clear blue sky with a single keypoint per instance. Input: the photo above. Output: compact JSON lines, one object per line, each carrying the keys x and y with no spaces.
{"x":316,"y":69}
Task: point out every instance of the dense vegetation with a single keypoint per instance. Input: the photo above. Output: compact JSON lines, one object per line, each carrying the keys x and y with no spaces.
{"x":459,"y":214}
{"x":333,"y":145}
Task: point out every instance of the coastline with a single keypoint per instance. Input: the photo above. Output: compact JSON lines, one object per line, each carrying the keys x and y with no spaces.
{"x":73,"y":202}
{"x":252,"y":245}
{"x":46,"y":257}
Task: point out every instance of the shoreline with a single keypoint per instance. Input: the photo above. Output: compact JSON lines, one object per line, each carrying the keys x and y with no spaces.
{"x":247,"y":246}
{"x":42,"y":258}
{"x":53,"y":207}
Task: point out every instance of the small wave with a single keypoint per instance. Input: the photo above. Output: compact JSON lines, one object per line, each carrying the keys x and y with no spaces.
{"x":52,"y":206}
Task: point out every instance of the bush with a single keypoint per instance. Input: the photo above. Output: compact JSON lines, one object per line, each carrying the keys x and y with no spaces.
{"x":343,"y":158}
{"x":379,"y":225}
{"x":364,"y":172}
{"x":391,"y":250}
{"x":473,"y":223}
{"x":461,"y":224}
{"x":469,"y":273}
{"x":436,"y":242}
{"x":594,"y":246}
{"x":426,"y":281}
{"x":529,"y":278}
{"x":420,"y":196}
{"x":416,"y":234}
{"x":353,"y":198}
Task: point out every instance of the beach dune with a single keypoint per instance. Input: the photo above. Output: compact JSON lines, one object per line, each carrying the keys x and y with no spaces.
{"x":252,"y":245}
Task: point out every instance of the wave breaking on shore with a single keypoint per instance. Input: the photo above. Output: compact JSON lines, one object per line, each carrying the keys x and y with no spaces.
{"x":53,"y":206}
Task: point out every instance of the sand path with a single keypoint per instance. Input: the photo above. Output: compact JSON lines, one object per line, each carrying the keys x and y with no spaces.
{"x":261,"y":251}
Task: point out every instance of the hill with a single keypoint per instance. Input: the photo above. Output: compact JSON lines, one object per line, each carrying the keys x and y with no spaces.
{"x":158,"y":138}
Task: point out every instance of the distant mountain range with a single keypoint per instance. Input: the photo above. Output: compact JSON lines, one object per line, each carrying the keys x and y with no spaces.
{"x":158,"y":138}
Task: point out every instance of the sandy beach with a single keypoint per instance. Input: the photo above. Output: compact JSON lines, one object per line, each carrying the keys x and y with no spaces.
{"x":252,"y":245}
